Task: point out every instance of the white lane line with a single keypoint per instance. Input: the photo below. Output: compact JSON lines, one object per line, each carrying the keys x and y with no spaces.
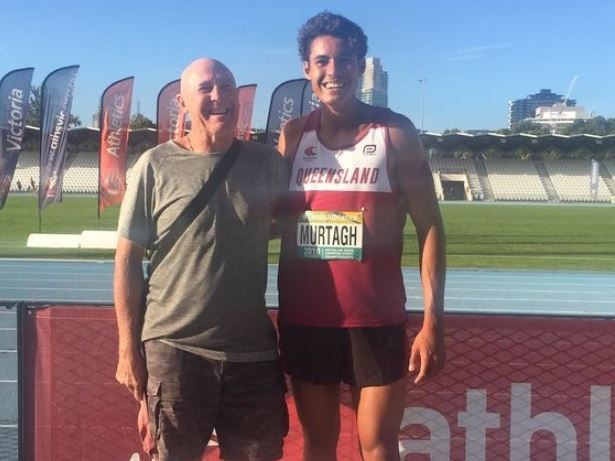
{"x":597,"y":291}
{"x":532,"y":300}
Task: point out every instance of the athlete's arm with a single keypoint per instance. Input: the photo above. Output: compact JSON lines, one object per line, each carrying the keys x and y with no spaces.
{"x":416,"y":184}
{"x":127,"y":294}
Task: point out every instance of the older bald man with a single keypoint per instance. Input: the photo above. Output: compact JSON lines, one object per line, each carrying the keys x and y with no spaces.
{"x":210,"y":358}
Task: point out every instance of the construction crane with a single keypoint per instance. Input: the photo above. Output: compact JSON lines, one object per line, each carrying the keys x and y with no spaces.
{"x":568,"y":93}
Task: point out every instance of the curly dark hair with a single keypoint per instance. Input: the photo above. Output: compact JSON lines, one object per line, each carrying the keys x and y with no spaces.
{"x":327,"y":23}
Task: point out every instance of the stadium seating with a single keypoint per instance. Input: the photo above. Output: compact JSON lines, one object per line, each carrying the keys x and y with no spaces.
{"x":27,"y":169}
{"x":81,"y":176}
{"x":515,"y":179}
{"x":509,"y":179}
{"x":610,"y":166}
{"x":571,"y":180}
{"x":443,"y":165}
{"x":438,"y":185}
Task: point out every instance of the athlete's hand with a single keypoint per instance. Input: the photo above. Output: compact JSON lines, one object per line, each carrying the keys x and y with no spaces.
{"x":131,"y":371}
{"x":428,"y":354}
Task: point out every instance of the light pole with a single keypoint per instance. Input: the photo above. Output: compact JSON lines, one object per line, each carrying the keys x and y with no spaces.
{"x":422,"y":82}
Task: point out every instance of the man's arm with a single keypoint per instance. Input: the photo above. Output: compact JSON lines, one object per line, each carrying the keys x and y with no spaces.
{"x":127,"y":295}
{"x":416,"y":183}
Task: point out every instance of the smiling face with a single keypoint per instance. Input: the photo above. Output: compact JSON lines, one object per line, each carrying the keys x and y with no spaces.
{"x":209,"y":95}
{"x":334,"y":71}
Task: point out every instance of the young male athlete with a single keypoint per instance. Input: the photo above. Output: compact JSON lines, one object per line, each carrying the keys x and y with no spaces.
{"x":357,"y":171}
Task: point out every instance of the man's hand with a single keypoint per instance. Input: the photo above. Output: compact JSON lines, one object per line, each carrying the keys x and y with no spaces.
{"x":131,"y":372}
{"x":428,"y":353}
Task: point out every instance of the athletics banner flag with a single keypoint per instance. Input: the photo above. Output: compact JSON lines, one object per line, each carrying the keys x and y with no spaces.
{"x":56,"y":103}
{"x":14,"y":102}
{"x":287,"y":102}
{"x":114,"y":121}
{"x":594,"y":179}
{"x":246,"y":107}
{"x":310,"y":100}
{"x":170,"y":116}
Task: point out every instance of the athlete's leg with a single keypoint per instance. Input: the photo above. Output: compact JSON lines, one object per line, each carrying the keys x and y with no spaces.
{"x":380,"y":410}
{"x":318,"y":408}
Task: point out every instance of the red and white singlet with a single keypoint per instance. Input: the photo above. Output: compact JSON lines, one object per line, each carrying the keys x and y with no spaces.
{"x":341,"y":250}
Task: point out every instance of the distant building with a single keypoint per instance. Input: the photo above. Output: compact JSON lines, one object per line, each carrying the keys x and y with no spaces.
{"x":521,"y":109}
{"x":374,"y":85}
{"x":558,"y":116}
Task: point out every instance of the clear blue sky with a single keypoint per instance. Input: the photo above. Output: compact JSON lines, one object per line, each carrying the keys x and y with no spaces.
{"x":475,"y":55}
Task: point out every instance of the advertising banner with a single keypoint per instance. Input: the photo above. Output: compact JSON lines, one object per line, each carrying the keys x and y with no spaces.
{"x":56,"y":103}
{"x":594,"y":179}
{"x":310,"y":100}
{"x":246,"y":107}
{"x":14,"y":102}
{"x":114,"y":123}
{"x":287,"y":102}
{"x":514,"y":388}
{"x":169,"y":115}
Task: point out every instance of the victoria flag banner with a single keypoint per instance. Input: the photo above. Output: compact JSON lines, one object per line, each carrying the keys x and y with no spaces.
{"x":246,"y":95}
{"x":14,"y":101}
{"x":169,"y":115}
{"x":56,"y":103}
{"x":114,"y":121}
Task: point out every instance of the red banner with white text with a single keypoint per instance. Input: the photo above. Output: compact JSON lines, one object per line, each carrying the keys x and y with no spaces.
{"x":170,"y":117}
{"x":514,"y":388}
{"x":114,"y":123}
{"x":246,"y":95}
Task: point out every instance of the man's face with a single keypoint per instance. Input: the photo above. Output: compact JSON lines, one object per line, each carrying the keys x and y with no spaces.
{"x":209,"y":94}
{"x":333,"y":69}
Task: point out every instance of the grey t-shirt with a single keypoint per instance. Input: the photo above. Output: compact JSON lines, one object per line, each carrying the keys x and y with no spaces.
{"x":208,"y":295}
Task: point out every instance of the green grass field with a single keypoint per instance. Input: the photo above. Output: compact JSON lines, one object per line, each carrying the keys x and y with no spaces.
{"x":568,"y":237}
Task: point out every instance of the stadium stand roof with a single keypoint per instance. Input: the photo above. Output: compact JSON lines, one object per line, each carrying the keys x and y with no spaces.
{"x":476,"y":143}
{"x":603,"y":146}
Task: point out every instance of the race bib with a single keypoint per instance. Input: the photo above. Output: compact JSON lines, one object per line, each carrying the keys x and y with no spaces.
{"x":330,"y":235}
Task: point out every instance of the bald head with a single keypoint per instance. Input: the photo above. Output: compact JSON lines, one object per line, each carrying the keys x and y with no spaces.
{"x":195,"y":71}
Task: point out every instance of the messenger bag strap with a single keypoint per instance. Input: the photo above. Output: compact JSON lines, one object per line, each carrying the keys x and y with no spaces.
{"x":195,"y":207}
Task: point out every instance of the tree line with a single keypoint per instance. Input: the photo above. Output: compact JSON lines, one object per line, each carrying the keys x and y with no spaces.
{"x":598,"y":126}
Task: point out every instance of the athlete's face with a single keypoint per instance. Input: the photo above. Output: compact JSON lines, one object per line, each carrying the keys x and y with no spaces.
{"x":334,"y":70}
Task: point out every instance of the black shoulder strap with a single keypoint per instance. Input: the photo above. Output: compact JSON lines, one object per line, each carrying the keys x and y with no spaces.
{"x":196,"y":206}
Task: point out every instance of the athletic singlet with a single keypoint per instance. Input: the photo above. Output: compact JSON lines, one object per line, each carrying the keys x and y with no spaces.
{"x":341,"y":248}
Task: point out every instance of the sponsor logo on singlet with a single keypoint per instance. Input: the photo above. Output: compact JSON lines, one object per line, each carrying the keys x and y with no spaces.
{"x":310,"y":153}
